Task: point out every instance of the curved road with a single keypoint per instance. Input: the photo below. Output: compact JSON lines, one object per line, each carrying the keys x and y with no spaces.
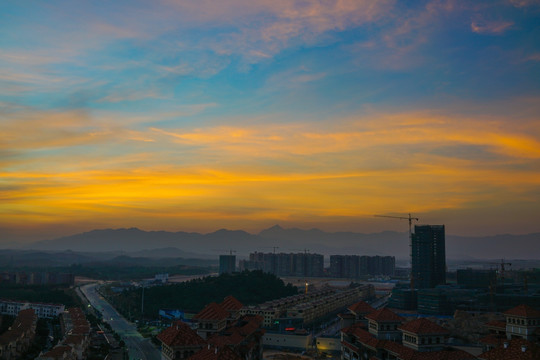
{"x":138,"y":346}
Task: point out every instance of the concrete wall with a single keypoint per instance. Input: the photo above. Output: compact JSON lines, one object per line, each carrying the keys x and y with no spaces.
{"x":291,"y":341}
{"x":327,"y":344}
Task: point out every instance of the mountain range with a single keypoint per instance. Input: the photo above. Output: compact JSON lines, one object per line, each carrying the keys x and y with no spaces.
{"x":138,"y":242}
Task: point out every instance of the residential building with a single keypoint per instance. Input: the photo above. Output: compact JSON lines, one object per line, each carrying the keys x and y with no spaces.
{"x":523,"y":322}
{"x":76,"y":330}
{"x":354,"y":266}
{"x":239,"y":339}
{"x":227,"y":264}
{"x":514,"y":349}
{"x":37,"y":278}
{"x":383,"y":324}
{"x":42,"y":310}
{"x":286,"y":264}
{"x":428,"y":256}
{"x":310,"y":306}
{"x":423,"y":335}
{"x":389,"y":338}
{"x":476,"y":278}
{"x":18,"y":338}
{"x":211,"y":320}
{"x":179,"y":342}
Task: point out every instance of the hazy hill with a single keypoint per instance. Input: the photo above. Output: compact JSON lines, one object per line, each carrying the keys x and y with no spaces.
{"x":181,"y":244}
{"x":159,"y":244}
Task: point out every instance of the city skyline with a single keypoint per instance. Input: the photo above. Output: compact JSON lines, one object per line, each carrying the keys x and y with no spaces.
{"x":197,"y":116}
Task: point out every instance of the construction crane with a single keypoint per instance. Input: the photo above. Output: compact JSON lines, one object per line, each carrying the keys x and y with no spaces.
{"x":410,"y":218}
{"x":231,"y":251}
{"x":502,"y":264}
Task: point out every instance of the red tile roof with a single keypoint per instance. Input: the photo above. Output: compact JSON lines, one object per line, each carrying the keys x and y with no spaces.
{"x":350,"y":329}
{"x":451,"y":354}
{"x":58,"y":352}
{"x":361,"y":308}
{"x":399,"y":350}
{"x":496,"y":324}
{"x":384,"y":315}
{"x":231,"y":303}
{"x":514,"y":351}
{"x":423,"y":326}
{"x":493,"y":339}
{"x":523,"y":311}
{"x":366,"y":338}
{"x":222,"y":353}
{"x":238,"y":332}
{"x":23,"y":326}
{"x":180,"y":334}
{"x":212,"y":311}
{"x":74,"y":340}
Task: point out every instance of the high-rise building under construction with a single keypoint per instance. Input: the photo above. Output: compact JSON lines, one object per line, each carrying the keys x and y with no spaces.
{"x":428,"y":256}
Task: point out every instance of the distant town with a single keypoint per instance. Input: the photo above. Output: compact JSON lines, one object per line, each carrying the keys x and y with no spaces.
{"x":272,"y":305}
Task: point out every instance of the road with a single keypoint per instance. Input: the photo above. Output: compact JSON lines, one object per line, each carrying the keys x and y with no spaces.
{"x":138,"y":346}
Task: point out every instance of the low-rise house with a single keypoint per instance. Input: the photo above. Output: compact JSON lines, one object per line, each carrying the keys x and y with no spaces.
{"x":59,"y":352}
{"x":179,"y":342}
{"x":211,"y":320}
{"x":515,"y":349}
{"x":383,"y":324}
{"x":218,"y":334}
{"x":423,"y":335}
{"x":523,"y":322}
{"x":18,"y":338}
{"x":42,"y":310}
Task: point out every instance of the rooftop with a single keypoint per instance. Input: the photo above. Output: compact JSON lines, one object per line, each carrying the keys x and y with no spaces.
{"x":213,"y":353}
{"x":384,"y":315}
{"x":497,"y":324}
{"x":516,"y":349}
{"x":361,"y":307}
{"x":231,"y":303}
{"x":212,"y":311}
{"x":180,"y":334}
{"x":523,"y":311}
{"x":423,"y":326}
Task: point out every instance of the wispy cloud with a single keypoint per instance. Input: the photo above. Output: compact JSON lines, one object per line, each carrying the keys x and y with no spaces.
{"x":491,"y":27}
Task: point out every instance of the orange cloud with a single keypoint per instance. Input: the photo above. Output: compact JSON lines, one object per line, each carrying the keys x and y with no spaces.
{"x":351,"y":167}
{"x":490,"y":27}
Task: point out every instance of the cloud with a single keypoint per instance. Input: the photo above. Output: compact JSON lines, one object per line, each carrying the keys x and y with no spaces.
{"x":533,"y":57}
{"x":422,"y":130}
{"x":491,"y":27}
{"x":524,"y":3}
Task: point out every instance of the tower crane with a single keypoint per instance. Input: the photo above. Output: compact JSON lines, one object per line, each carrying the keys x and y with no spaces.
{"x":410,"y":218}
{"x":502,"y":264}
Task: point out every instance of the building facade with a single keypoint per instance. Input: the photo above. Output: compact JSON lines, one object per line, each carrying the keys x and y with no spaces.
{"x":286,"y":264}
{"x":428,"y":256}
{"x":354,"y":266}
{"x":227,"y":264}
{"x":42,"y":310}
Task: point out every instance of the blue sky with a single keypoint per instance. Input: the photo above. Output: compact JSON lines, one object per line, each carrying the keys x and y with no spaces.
{"x":198,"y":115}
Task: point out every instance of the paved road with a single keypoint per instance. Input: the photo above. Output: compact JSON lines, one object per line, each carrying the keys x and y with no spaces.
{"x":138,"y":346}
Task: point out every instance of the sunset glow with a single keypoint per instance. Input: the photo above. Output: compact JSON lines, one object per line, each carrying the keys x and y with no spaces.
{"x":200,"y":115}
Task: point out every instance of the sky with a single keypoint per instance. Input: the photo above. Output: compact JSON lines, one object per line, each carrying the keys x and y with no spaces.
{"x":241,"y":114}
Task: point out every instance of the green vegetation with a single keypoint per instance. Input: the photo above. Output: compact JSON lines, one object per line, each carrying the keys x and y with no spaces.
{"x":248,"y":287}
{"x":40,"y":293}
{"x":40,"y":341}
{"x":121,"y":271}
{"x":5,"y":322}
{"x":131,"y":272}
